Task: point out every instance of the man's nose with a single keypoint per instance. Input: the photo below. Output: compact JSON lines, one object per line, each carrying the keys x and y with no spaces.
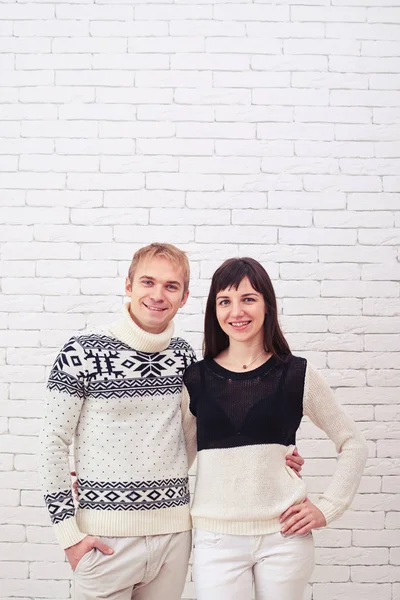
{"x":156,"y":294}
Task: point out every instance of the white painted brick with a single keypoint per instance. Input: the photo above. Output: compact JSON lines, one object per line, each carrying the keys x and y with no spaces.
{"x":364,"y":325}
{"x":15,"y":233}
{"x":127,"y":28}
{"x":33,"y":250}
{"x":287,"y":62}
{"x":41,"y":535}
{"x":359,"y":289}
{"x":19,"y":338}
{"x":53,"y":61}
{"x":183,"y":181}
{"x":27,"y":462}
{"x":40,"y":570}
{"x":225,"y":200}
{"x":372,"y":202}
{"x":175,"y":147}
{"x":272,"y":217}
{"x":363,"y":30}
{"x":334,"y":149}
{"x":10,"y":498}
{"x":216,"y":130}
{"x":392,"y":520}
{"x":11,"y":303}
{"x":94,"y":77}
{"x":212,"y":96}
{"x":89,"y":44}
{"x":383,"y":377}
{"x":344,"y":591}
{"x":263,"y":182}
{"x":296,"y":97}
{"x":206,"y":28}
{"x":138,"y":164}
{"x":51,"y":28}
{"x":102,"y":181}
{"x":136,"y":129}
{"x":167,"y":216}
{"x":237,"y":234}
{"x":54,"y":268}
{"x":322,"y":236}
{"x":180,"y":234}
{"x":326,"y":46}
{"x":216,"y":62}
{"x":375,"y":237}
{"x":257,"y":12}
{"x":62,"y":198}
{"x":330,"y":574}
{"x":322,"y":306}
{"x":391,"y":184}
{"x":320,"y":271}
{"x":114,"y":12}
{"x":254,"y":147}
{"x":353,"y":556}
{"x":176,"y":79}
{"x":347,"y":219}
{"x":175,"y":113}
{"x":385,"y":115}
{"x":14,"y":570}
{"x":45,"y":589}
{"x":342,"y":183}
{"x":59,"y":129}
{"x":378,"y":48}
{"x":333,"y":114}
{"x":20,"y":408}
{"x":6,"y":460}
{"x":71,"y":233}
{"x":48,"y":286}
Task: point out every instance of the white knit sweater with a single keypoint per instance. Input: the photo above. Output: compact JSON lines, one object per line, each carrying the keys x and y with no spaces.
{"x":117,"y":391}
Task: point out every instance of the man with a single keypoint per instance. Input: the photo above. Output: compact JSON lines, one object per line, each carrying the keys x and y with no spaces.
{"x":118,"y":392}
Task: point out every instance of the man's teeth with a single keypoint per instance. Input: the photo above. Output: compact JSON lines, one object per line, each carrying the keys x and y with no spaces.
{"x":154,"y":308}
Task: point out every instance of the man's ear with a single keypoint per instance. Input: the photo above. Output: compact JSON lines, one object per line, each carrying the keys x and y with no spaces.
{"x":184,"y":299}
{"x":128,"y":286}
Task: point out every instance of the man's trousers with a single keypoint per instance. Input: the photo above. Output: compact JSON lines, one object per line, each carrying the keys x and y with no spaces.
{"x":141,"y":568}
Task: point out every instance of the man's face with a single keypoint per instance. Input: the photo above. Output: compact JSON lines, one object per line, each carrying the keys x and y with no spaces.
{"x":156,"y":293}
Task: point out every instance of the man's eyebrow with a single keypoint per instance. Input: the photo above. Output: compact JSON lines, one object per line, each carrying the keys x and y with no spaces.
{"x":178,"y":283}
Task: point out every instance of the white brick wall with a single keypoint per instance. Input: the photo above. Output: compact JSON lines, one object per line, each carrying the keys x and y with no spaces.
{"x":268,"y":129}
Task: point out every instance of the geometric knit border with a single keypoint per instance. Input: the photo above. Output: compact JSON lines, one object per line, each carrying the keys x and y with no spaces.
{"x":60,"y":505}
{"x":133,"y":495}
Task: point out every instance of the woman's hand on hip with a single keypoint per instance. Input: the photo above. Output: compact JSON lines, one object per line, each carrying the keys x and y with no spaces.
{"x":301,"y":518}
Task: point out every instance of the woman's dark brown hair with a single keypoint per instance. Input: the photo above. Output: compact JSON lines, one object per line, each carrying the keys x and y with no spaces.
{"x":229,"y":275}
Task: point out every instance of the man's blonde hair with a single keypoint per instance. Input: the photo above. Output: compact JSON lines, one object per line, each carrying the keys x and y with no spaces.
{"x":167,"y":251}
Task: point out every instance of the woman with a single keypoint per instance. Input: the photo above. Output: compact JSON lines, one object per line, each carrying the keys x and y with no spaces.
{"x":253,"y":521}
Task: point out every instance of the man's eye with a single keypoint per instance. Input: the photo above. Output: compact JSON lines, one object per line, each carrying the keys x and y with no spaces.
{"x":172,"y":287}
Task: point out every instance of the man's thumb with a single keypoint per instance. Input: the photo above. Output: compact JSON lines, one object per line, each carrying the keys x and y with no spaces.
{"x":102,"y":547}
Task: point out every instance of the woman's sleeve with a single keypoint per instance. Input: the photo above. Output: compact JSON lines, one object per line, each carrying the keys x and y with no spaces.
{"x":324,"y":410}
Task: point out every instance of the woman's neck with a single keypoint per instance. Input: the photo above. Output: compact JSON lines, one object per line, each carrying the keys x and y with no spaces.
{"x":240,"y":356}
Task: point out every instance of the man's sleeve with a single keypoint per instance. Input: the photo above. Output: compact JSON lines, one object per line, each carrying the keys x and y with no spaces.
{"x":65,"y":394}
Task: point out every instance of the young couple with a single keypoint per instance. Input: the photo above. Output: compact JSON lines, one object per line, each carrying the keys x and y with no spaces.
{"x":129,"y":395}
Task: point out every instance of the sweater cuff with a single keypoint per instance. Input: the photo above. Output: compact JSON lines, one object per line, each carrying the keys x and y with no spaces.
{"x":329,"y":510}
{"x":68,"y":533}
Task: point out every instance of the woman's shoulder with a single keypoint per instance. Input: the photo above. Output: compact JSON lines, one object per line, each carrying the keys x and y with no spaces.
{"x":192,"y":374}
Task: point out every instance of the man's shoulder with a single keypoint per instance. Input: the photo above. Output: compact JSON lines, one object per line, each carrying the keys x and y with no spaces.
{"x":178,"y":343}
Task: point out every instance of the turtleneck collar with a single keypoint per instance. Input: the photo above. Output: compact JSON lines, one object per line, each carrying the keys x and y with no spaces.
{"x":128,"y":332}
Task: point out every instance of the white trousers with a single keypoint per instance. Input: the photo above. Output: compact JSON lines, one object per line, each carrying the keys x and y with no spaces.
{"x":226,"y":566}
{"x":141,"y":568}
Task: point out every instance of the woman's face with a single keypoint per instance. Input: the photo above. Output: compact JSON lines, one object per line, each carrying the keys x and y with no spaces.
{"x":241,"y":312}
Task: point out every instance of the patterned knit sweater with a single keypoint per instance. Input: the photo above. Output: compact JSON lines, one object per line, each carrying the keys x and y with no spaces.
{"x":118,"y":393}
{"x":246,"y":425}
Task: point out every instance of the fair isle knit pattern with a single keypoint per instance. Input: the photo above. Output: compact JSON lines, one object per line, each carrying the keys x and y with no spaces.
{"x":117,"y":394}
